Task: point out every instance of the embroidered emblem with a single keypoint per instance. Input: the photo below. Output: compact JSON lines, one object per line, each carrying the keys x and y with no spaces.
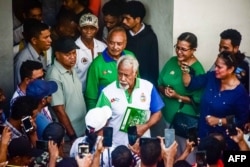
{"x":114,"y":99}
{"x":172,"y":72}
{"x":107,"y":72}
{"x":143,"y":97}
{"x":84,"y":60}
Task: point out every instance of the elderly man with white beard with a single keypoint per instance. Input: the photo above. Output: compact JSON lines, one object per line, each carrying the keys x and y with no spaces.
{"x":133,"y":101}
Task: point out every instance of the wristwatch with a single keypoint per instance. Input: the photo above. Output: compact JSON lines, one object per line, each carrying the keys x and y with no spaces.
{"x":220,"y":122}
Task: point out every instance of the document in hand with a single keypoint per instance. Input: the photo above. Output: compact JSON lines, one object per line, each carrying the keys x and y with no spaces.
{"x":132,"y":117}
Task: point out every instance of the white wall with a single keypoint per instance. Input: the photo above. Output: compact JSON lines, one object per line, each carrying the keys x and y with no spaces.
{"x":207,"y":19}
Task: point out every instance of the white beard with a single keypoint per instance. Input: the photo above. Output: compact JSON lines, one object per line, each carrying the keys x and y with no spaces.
{"x":124,"y":87}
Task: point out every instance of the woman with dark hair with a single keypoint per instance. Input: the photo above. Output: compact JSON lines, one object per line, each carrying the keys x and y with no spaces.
{"x":171,"y":85}
{"x":223,"y":96}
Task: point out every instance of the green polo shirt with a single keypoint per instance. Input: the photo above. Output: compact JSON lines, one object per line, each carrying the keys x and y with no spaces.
{"x":101,"y":72}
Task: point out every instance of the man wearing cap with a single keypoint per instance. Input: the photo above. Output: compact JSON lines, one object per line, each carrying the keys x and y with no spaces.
{"x":42,"y":90}
{"x":96,"y":119}
{"x":67,"y":102}
{"x":130,"y":91}
{"x":102,"y":70}
{"x":89,"y":46}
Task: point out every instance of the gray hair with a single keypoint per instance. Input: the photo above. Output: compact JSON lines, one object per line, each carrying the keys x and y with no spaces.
{"x":128,"y":60}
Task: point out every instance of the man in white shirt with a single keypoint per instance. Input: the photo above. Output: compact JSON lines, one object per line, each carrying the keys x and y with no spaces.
{"x":89,"y":46}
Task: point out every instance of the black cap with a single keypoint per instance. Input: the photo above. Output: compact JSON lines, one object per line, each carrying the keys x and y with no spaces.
{"x":54,"y":131}
{"x":65,"y":45}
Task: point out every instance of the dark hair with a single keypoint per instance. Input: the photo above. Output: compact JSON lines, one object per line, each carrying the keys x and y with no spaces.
{"x":31,"y":4}
{"x":135,"y":9}
{"x":182,"y":163}
{"x":122,"y":157}
{"x":233,"y":35}
{"x":213,"y":149}
{"x":84,"y":3}
{"x":28,"y":67}
{"x":23,"y":106}
{"x":190,"y":38}
{"x":229,"y":59}
{"x":33,"y":28}
{"x":113,"y":8}
{"x":150,"y":152}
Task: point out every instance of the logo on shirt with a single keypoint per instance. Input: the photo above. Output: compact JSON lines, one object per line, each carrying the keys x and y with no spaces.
{"x":172,"y":72}
{"x":107,"y":72}
{"x":143,"y":97}
{"x":84,"y":60}
{"x":114,"y":100}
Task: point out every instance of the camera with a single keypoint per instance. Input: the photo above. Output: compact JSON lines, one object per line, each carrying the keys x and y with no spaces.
{"x":169,"y":137}
{"x":27,"y":124}
{"x":231,"y":125}
{"x":132,"y":135}
{"x":201,"y":158}
{"x":192,"y":135}
{"x":83,"y":149}
{"x":107,"y":136}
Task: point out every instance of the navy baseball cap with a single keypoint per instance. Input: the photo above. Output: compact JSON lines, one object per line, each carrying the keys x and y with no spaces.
{"x":41,"y":88}
{"x":65,"y":45}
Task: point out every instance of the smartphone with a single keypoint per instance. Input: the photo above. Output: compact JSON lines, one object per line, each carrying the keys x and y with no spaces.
{"x":107,"y":136}
{"x":132,"y":135}
{"x":42,"y":145}
{"x":192,"y":135}
{"x":145,"y":140}
{"x":169,"y":137}
{"x":201,"y":159}
{"x":27,"y":124}
{"x":83,"y":149}
{"x":1,"y":129}
{"x":231,"y":125}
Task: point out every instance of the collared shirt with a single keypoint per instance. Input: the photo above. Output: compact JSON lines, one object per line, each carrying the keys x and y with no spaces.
{"x":28,"y":53}
{"x":69,"y":94}
{"x":142,"y":28}
{"x":84,"y":58}
{"x":15,"y":133}
{"x":101,"y":72}
{"x":43,"y":118}
{"x":143,"y":97}
{"x":16,"y":94}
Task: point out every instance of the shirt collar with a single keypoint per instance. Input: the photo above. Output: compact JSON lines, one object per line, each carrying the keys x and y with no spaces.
{"x":142,"y":28}
{"x":60,"y":67}
{"x":107,"y":58}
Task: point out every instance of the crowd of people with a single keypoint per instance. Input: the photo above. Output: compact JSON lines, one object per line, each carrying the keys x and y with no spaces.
{"x":75,"y":77}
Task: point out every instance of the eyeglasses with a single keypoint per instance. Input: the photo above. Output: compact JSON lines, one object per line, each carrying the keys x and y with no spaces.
{"x":181,"y":49}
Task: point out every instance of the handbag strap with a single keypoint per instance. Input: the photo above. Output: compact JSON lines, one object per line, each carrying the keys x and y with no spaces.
{"x":192,"y":103}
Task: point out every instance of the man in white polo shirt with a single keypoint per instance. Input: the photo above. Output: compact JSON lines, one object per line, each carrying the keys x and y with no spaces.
{"x":130,"y":91}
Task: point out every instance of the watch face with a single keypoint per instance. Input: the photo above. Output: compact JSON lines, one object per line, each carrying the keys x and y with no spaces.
{"x":220,"y":122}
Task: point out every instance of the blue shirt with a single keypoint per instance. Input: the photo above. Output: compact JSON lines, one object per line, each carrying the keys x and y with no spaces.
{"x":220,"y":104}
